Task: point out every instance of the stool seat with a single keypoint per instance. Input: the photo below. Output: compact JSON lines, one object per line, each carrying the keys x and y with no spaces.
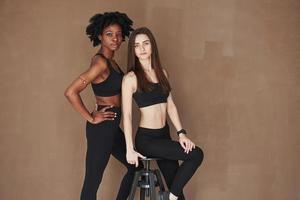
{"x":149,"y":159}
{"x":147,"y":179}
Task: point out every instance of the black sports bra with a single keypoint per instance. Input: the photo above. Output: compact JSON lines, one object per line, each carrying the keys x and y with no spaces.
{"x":155,"y":96}
{"x":111,"y":85}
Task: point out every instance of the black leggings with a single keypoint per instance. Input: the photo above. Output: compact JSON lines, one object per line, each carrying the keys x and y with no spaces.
{"x":157,"y":143}
{"x":104,"y":139}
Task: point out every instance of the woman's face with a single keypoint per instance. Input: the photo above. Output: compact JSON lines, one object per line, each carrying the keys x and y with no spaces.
{"x":142,"y":47}
{"x":111,"y":37}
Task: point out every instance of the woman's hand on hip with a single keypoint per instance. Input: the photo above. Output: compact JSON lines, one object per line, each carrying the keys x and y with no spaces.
{"x":102,"y":115}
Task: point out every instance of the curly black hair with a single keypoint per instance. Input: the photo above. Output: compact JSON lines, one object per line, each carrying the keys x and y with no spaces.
{"x":100,"y":21}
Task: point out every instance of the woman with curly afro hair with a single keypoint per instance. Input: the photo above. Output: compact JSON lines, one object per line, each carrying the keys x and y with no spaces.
{"x":104,"y":136}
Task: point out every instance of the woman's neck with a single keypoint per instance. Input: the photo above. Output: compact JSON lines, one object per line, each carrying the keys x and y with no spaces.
{"x":146,"y":64}
{"x":106,"y":52}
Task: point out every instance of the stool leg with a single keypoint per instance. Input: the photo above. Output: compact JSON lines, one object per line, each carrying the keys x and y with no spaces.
{"x":134,"y":185}
{"x":142,"y":190}
{"x":160,"y":181}
{"x":147,"y":189}
{"x":152,"y":187}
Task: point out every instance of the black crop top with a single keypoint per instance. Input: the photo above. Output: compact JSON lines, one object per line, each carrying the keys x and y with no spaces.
{"x":155,"y":96}
{"x":111,"y":85}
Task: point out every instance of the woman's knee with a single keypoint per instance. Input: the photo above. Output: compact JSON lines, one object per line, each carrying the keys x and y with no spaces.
{"x":197,"y":155}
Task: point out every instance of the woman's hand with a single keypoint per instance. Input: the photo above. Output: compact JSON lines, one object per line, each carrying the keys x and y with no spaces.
{"x":186,"y":143}
{"x":102,"y":115}
{"x":133,"y":157}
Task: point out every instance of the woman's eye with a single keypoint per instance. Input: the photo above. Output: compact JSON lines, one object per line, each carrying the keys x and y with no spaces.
{"x":109,"y":34}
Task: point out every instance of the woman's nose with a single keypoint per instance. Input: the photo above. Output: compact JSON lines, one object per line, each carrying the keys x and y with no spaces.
{"x":115,"y":38}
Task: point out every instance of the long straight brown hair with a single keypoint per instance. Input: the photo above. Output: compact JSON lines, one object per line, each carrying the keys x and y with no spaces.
{"x":134,"y":64}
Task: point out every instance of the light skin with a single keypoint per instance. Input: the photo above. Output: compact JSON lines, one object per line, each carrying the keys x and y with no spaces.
{"x":153,"y":116}
{"x":111,"y":39}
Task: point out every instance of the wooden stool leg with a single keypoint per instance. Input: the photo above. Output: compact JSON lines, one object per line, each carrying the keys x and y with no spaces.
{"x":160,"y":181}
{"x":134,"y":185}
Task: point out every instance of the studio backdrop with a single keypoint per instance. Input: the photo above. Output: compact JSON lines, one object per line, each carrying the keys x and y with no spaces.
{"x":235,"y":72}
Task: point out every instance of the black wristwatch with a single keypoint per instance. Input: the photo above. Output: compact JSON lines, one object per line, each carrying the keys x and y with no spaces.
{"x":183,"y":131}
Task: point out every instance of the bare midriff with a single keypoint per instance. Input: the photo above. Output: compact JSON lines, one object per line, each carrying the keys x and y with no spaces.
{"x":109,"y":101}
{"x":153,"y":116}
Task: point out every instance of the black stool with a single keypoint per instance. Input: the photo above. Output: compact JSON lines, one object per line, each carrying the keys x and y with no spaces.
{"x":147,"y":179}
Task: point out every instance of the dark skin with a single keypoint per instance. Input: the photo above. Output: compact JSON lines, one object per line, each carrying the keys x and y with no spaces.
{"x":111,"y":39}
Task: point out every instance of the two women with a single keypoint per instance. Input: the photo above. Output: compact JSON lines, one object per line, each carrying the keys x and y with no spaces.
{"x":104,"y":136}
{"x":147,"y":83}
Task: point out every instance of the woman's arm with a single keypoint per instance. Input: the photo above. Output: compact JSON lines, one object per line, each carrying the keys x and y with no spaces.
{"x":127,"y":92}
{"x":172,"y":109}
{"x":173,"y":113}
{"x":129,"y":85}
{"x":185,"y":142}
{"x":72,"y":93}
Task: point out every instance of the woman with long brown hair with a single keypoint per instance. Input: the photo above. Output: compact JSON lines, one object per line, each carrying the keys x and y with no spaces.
{"x":104,"y":136}
{"x":147,"y":83}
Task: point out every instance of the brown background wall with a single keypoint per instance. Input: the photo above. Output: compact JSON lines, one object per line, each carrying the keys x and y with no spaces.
{"x":234,"y":67}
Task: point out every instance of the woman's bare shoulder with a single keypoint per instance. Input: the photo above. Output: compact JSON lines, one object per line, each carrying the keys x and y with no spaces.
{"x":130,"y":76}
